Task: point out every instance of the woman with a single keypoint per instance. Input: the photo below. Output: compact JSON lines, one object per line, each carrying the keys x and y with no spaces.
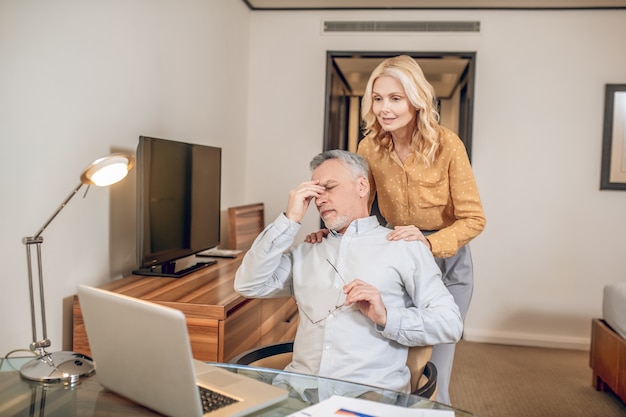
{"x":422,"y":176}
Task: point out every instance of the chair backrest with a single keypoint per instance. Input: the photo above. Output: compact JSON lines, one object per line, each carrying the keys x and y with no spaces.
{"x":416,"y":361}
{"x":274,"y":356}
{"x":244,"y":225}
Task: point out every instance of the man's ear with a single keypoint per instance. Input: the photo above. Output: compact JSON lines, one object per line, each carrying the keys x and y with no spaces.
{"x":364,"y":187}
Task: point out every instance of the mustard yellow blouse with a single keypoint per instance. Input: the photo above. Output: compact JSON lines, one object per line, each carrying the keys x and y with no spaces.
{"x":442,"y":198}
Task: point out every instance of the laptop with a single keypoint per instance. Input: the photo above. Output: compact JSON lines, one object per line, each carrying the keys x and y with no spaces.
{"x":141,"y":351}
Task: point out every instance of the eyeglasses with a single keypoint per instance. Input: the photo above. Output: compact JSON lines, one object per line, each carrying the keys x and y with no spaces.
{"x":338,"y":303}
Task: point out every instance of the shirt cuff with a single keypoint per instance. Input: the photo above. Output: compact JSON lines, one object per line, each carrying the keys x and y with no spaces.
{"x":392,"y":327}
{"x":285,"y":226}
{"x":439,"y":248}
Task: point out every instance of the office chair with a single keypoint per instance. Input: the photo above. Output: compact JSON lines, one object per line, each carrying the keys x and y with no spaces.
{"x":278,"y":356}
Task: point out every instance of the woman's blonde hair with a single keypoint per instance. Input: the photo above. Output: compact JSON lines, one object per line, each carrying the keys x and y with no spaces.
{"x":421,"y":95}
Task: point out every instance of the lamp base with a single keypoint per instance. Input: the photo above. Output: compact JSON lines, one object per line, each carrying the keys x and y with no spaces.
{"x":65,"y":367}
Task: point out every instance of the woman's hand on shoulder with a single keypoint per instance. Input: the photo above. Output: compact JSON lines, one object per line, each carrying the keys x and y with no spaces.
{"x":316,"y":237}
{"x":408,"y":233}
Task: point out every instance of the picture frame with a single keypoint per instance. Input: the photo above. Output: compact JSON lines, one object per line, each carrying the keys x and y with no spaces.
{"x":613,"y":174}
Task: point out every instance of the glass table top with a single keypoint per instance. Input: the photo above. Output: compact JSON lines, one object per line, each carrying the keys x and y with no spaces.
{"x":19,"y":397}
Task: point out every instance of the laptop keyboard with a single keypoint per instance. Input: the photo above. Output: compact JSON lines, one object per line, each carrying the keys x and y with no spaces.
{"x":212,"y":400}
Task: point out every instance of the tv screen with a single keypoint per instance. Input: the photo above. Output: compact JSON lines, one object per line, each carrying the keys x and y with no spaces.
{"x":178,"y":203}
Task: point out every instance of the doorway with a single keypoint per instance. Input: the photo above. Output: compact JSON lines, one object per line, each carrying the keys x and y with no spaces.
{"x":450,"y":73}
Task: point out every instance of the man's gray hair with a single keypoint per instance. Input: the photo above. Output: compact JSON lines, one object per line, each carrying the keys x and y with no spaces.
{"x":355,"y":163}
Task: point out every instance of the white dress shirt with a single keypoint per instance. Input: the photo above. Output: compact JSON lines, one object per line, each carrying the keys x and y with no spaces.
{"x":345,"y":344}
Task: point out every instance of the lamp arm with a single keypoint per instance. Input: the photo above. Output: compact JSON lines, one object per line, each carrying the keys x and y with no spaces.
{"x":58,"y":210}
{"x":44,"y":342}
{"x":37,"y":240}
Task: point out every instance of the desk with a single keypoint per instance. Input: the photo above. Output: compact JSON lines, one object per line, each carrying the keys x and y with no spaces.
{"x":220,"y":322}
{"x":19,"y":397}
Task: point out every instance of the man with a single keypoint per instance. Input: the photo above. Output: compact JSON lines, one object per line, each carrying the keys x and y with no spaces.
{"x":363,"y":299}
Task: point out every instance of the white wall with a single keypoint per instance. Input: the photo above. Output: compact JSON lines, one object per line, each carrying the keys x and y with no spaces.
{"x":553,"y":240}
{"x":79,"y":79}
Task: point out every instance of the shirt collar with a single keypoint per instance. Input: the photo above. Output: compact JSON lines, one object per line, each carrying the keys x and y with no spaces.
{"x":359,"y":226}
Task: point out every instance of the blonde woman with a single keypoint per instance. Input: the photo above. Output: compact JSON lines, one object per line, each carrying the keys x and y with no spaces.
{"x":422,"y":176}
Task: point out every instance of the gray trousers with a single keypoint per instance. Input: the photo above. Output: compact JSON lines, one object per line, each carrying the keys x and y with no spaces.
{"x":458,"y":276}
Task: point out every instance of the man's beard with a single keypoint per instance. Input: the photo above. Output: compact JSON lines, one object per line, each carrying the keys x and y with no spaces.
{"x":338,"y":223}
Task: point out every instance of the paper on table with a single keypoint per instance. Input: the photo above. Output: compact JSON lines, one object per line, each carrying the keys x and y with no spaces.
{"x":338,"y":406}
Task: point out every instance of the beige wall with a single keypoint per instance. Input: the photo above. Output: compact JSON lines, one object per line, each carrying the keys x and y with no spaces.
{"x":79,"y":79}
{"x":553,"y":240}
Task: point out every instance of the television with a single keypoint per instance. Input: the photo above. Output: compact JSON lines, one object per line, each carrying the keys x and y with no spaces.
{"x":178,"y":204}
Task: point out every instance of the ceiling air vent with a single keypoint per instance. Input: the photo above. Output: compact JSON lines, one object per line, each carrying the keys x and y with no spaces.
{"x":360,"y":26}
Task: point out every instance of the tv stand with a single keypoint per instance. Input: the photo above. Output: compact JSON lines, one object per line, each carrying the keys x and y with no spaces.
{"x":169,"y":269}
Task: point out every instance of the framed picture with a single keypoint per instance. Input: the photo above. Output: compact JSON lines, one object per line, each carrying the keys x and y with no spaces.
{"x":613,"y":176}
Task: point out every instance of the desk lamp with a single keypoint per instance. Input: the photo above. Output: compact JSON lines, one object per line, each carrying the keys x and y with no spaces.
{"x":66,"y":367}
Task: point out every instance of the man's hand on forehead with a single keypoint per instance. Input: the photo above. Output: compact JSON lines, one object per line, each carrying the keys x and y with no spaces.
{"x":300,"y":198}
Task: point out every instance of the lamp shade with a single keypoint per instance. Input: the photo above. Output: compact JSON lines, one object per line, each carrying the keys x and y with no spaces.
{"x":108,"y":170}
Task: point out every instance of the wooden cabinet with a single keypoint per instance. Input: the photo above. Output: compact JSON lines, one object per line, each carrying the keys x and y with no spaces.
{"x":221,"y":323}
{"x":607,"y":359}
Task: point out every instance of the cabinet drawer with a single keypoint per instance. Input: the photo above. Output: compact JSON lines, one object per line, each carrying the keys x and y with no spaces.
{"x":280,"y":320}
{"x":204,"y":338}
{"x":242,"y":329}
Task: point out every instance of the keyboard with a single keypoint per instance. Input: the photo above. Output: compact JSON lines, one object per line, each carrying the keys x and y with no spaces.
{"x":212,"y":400}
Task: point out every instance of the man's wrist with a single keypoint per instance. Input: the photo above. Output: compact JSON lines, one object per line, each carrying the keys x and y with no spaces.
{"x":290,"y":218}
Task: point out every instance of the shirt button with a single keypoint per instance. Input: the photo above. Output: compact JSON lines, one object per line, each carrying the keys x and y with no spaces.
{"x":327,"y":347}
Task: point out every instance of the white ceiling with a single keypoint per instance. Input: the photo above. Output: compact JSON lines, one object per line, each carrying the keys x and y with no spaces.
{"x":433,"y":4}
